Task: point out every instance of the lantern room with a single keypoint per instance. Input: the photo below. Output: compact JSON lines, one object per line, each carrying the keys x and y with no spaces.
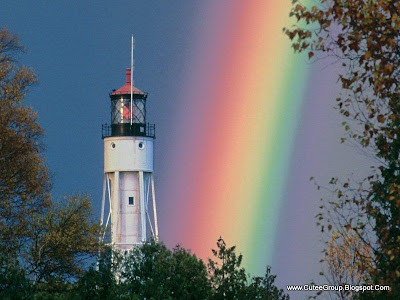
{"x":128,"y":112}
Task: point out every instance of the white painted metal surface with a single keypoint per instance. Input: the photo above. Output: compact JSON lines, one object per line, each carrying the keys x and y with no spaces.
{"x":128,"y":153}
{"x":129,"y":185}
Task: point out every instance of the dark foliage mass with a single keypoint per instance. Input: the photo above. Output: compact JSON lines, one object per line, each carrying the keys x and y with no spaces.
{"x":150,"y":271}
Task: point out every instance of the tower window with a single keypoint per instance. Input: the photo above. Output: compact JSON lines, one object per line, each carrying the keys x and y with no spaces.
{"x":131,"y":201}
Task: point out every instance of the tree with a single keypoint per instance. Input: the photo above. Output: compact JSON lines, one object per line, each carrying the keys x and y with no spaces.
{"x":24,"y":177}
{"x":45,"y":241}
{"x":348,"y":255}
{"x":364,"y":36}
{"x":100,"y":282}
{"x":264,"y":288}
{"x":148,"y":271}
{"x":348,"y":261}
{"x":64,"y":240}
{"x":230,"y":281}
{"x":13,"y":281}
{"x":152,"y":271}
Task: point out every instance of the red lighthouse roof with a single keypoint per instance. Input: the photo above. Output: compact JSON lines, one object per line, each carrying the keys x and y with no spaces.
{"x":126,"y":89}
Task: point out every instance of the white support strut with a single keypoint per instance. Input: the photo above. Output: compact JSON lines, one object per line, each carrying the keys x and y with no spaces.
{"x":154,"y":208}
{"x":115,"y":206}
{"x":109,"y":202}
{"x":103,"y":200}
{"x":142,"y":208}
{"x":147,"y":207}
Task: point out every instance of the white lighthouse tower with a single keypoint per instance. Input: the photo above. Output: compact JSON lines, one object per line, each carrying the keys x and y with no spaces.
{"x":128,"y":169}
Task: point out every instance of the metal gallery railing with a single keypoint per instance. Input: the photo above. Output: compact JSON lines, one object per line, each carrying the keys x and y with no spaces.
{"x":136,"y":129}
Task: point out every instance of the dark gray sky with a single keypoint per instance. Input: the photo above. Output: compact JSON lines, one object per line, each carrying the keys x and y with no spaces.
{"x":80,"y":51}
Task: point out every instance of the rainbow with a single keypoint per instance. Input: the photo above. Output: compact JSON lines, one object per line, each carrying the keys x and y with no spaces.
{"x":235,"y":131}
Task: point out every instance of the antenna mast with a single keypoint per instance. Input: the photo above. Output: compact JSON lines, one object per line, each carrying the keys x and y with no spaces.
{"x":132,"y":69}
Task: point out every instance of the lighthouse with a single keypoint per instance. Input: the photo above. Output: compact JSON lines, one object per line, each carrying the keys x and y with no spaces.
{"x":128,"y":208}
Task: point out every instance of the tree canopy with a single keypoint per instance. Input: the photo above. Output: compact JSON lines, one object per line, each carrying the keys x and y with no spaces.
{"x":40,"y":240}
{"x":363,"y":36}
{"x":24,"y":177}
{"x":152,"y":271}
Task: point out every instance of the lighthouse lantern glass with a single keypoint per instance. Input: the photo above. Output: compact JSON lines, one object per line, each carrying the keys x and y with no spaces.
{"x":121,"y":110}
